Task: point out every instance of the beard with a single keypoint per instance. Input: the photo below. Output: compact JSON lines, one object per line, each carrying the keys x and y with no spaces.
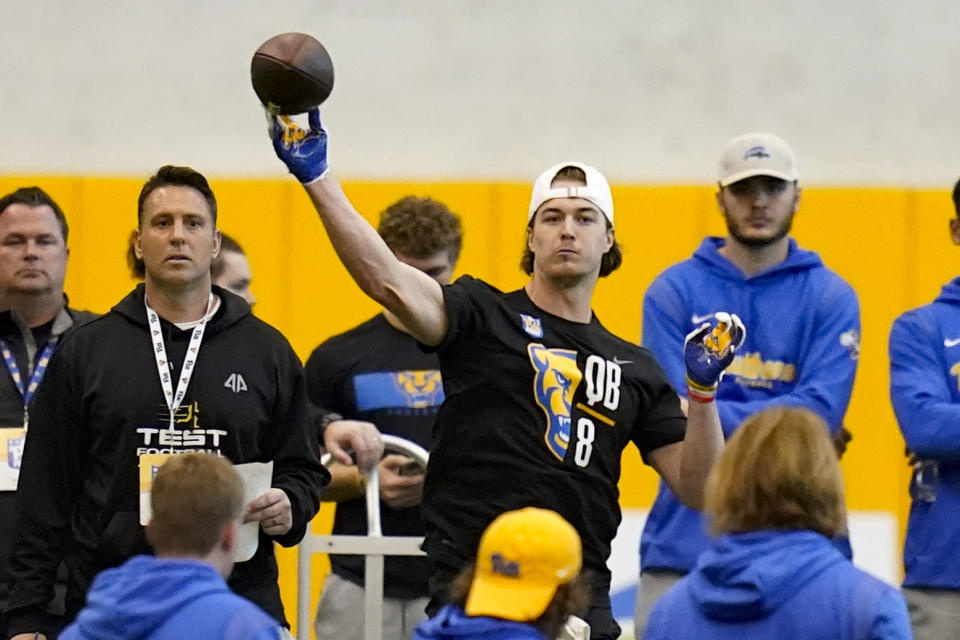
{"x":755,"y":242}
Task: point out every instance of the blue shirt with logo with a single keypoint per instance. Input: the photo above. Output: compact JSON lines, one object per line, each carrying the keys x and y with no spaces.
{"x":803,"y":340}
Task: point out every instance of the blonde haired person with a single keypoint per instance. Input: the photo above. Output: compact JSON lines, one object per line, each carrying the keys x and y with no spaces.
{"x":774,"y":499}
{"x":524,"y":585}
{"x":181,"y":593}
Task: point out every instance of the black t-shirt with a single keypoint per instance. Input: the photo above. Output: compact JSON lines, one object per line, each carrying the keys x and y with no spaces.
{"x":377,"y":373}
{"x":538,"y":411}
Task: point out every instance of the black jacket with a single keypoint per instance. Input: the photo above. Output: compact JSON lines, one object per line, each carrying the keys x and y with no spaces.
{"x":23,"y":344}
{"x":102,"y":405}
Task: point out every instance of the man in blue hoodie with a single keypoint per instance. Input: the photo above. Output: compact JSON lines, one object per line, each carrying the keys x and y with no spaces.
{"x":924,"y":370}
{"x":181,"y":593}
{"x":804,"y":330}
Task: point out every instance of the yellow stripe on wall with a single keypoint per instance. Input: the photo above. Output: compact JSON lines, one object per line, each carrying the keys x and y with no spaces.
{"x":892,"y":245}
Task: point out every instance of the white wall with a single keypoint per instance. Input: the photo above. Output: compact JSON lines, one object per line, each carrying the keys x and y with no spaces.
{"x":866,"y":91}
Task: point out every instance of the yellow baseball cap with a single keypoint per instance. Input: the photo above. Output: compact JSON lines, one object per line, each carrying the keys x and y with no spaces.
{"x":524,"y":556}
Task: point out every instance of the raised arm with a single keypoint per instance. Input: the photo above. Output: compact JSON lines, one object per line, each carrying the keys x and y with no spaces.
{"x":414,"y":297}
{"x":707,"y":351}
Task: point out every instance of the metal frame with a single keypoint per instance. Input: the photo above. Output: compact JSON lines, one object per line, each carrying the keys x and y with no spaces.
{"x":374,"y":546}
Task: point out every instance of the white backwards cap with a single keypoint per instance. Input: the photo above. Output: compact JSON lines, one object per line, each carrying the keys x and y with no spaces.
{"x":596,"y":191}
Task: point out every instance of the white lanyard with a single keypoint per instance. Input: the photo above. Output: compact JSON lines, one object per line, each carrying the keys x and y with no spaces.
{"x":163,"y":368}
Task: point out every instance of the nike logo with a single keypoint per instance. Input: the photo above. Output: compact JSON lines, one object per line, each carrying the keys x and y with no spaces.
{"x":951,"y":343}
{"x":700,"y":319}
{"x":617,"y":360}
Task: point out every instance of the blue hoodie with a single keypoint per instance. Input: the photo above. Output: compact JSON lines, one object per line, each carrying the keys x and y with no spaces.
{"x":803,"y":339}
{"x":778,"y":584}
{"x":451,"y":623}
{"x":924,"y":379}
{"x":167,"y":599}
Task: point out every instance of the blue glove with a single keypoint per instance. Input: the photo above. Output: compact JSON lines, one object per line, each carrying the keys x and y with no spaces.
{"x":304,"y":152}
{"x":708,"y":351}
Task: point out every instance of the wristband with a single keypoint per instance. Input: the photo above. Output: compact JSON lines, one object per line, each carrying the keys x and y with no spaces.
{"x":700,"y":393}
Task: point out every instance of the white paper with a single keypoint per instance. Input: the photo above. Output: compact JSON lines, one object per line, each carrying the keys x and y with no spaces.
{"x":11,"y":454}
{"x":256,"y":478}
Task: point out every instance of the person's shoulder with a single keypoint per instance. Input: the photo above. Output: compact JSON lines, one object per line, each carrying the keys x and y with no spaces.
{"x":241,"y":619}
{"x":870,"y":590}
{"x":620,"y":349}
{"x":352,"y":342}
{"x":94,"y":329}
{"x":81,"y":317}
{"x":250,"y":621}
{"x":474,"y":286}
{"x":681,"y":271}
{"x":832,"y":283}
{"x":268,"y":335}
{"x":375,"y":325}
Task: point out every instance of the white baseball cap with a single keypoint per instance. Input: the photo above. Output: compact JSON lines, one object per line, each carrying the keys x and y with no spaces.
{"x":756,"y":154}
{"x":597,"y":190}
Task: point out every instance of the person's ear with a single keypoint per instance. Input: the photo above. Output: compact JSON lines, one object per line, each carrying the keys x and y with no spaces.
{"x":228,"y":538}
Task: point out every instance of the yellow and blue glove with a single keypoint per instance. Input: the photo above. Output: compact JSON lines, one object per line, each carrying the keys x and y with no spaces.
{"x":708,"y":351}
{"x":303,"y":151}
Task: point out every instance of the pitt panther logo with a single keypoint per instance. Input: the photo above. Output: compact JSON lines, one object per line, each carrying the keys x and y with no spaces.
{"x":420,"y":388}
{"x":555,"y":383}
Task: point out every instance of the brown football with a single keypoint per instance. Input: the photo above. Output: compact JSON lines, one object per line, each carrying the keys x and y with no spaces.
{"x":291,"y":73}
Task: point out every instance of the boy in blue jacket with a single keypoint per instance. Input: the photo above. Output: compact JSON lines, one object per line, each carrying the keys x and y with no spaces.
{"x":924,"y":370}
{"x":197,"y":502}
{"x":804,"y":330}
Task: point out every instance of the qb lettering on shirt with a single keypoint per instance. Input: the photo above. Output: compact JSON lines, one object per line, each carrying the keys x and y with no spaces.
{"x":556,"y":380}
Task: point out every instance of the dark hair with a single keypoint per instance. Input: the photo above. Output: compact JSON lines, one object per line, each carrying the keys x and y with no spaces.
{"x":571,"y":172}
{"x":420,"y":227}
{"x":218,"y":266}
{"x":169,"y":175}
{"x":36,"y":197}
{"x":956,"y":198}
{"x":570,"y":598}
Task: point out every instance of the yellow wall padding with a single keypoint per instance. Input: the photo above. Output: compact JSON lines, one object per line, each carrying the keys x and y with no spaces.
{"x":892,"y":245}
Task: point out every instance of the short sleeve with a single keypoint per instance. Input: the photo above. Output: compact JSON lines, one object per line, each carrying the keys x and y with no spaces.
{"x":463,"y":301}
{"x":662,"y":421}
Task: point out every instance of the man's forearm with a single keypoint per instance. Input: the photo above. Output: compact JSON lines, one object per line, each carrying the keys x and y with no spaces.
{"x":701,"y":448}
{"x":361,"y":250}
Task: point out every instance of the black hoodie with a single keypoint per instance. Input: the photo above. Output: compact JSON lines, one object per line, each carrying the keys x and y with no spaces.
{"x":102,"y":405}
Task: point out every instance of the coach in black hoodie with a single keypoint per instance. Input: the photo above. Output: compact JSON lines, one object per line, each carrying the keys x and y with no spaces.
{"x":178,"y":365}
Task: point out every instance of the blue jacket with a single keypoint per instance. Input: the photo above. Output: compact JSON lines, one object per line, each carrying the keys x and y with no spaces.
{"x":778,"y":584}
{"x":924,"y":379}
{"x":803,"y":339}
{"x":451,"y":623}
{"x":151,"y":598}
